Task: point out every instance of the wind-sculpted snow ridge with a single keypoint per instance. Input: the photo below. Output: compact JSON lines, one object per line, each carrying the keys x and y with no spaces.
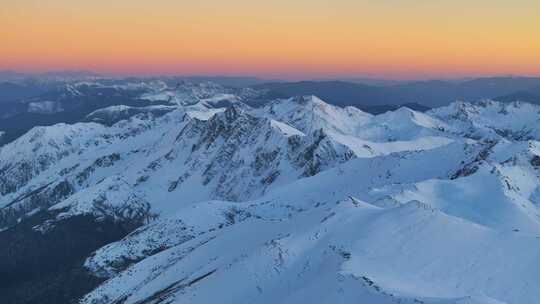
{"x":491,"y":119}
{"x":168,"y":158}
{"x":365,"y":134}
{"x":342,"y":251}
{"x":42,"y":148}
{"x":294,"y":201}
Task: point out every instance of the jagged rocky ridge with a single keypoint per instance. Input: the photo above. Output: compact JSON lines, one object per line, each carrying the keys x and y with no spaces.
{"x":294,"y":201}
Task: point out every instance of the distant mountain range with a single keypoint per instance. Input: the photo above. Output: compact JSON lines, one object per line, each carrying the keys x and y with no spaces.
{"x":360,"y":92}
{"x":69,"y":96}
{"x":62,"y":104}
{"x":427,"y":93}
{"x":12,"y":91}
{"x":234,"y":81}
{"x":8,"y":75}
{"x":530,"y":96}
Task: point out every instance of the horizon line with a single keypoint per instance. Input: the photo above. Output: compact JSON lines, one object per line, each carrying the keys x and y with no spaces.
{"x":104,"y":74}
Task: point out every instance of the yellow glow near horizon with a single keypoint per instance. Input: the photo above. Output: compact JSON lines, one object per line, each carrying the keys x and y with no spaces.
{"x":385,"y":38}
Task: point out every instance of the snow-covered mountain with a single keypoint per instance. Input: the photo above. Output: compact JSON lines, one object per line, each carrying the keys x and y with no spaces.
{"x":203,"y":198}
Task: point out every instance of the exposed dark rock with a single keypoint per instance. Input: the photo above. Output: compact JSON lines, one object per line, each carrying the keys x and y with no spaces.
{"x":535,"y":161}
{"x":41,"y":198}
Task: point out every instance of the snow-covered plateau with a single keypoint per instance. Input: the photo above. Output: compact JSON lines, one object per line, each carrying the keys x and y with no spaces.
{"x":292,"y":201}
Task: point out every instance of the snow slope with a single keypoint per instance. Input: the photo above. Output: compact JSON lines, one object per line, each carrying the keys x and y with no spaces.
{"x":337,"y":252}
{"x":516,"y":120}
{"x":365,"y":134}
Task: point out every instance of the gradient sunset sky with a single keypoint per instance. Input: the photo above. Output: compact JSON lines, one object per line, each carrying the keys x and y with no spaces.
{"x":279,"y":38}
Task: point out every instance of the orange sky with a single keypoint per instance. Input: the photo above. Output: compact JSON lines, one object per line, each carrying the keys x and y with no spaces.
{"x":294,"y":38}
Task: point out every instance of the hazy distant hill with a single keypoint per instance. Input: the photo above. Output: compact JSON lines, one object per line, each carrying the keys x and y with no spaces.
{"x":430,"y":93}
{"x":531,"y":96}
{"x":10,"y":91}
{"x":8,"y":74}
{"x":438,"y":93}
{"x":386,"y":108}
{"x":339,"y":92}
{"x":232,"y":81}
{"x":366,"y":80}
